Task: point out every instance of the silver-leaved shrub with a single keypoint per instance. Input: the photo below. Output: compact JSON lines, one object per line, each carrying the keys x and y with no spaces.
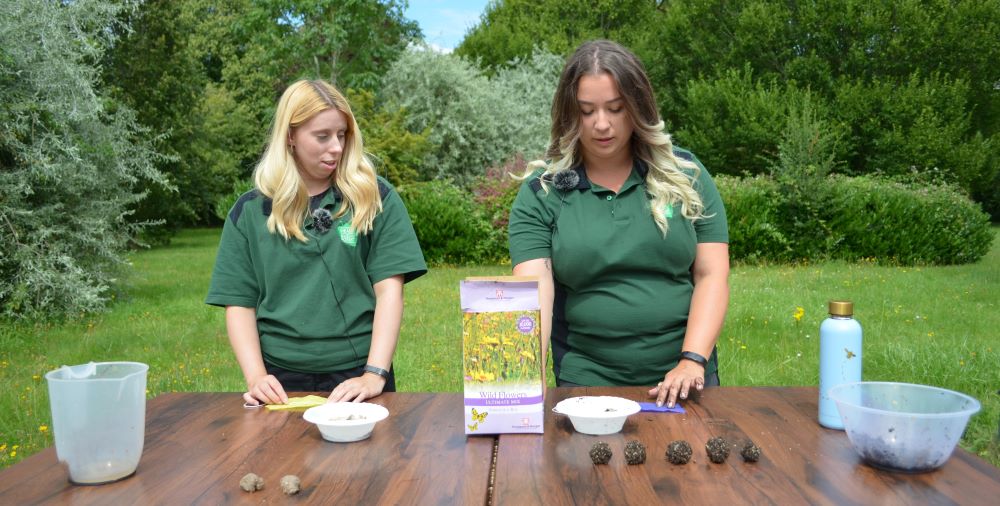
{"x":72,"y":161}
{"x":475,"y":120}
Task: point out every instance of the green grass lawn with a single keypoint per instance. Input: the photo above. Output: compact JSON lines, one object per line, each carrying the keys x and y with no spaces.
{"x":930,"y":325}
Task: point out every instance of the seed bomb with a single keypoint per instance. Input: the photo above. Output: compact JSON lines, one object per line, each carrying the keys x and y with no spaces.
{"x":679,"y":452}
{"x":251,"y":482}
{"x":600,"y":453}
{"x":717,"y":449}
{"x":291,"y":484}
{"x":750,"y":452}
{"x":635,"y":453}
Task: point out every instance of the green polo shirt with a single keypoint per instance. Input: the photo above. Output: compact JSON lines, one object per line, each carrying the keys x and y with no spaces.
{"x":314,"y":300}
{"x":623,"y":290}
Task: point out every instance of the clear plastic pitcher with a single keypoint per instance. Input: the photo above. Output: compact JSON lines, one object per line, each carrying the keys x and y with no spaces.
{"x":99,"y":419}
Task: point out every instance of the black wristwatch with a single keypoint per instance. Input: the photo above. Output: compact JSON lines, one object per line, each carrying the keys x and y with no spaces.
{"x":377,"y":371}
{"x":694,"y":357}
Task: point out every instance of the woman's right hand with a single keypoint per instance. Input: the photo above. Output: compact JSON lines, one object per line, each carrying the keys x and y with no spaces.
{"x":265,"y":389}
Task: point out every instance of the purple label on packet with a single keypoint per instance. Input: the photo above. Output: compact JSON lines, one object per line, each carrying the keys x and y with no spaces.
{"x":526,"y":324}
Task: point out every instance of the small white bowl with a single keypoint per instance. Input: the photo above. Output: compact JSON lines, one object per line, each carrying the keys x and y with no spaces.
{"x":597,"y":415}
{"x":344,"y":422}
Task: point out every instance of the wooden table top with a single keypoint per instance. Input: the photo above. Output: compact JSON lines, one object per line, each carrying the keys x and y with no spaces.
{"x":801,"y":462}
{"x":199,"y":445}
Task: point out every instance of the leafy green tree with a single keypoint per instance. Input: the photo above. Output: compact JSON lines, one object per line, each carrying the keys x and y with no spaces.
{"x":71,"y":159}
{"x":510,"y":30}
{"x":206,"y":75}
{"x":156,"y":70}
{"x":350,"y":43}
{"x":905,"y":56}
{"x":396,"y":151}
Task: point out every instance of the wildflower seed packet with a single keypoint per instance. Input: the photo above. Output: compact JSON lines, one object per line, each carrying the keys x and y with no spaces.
{"x":502,"y":357}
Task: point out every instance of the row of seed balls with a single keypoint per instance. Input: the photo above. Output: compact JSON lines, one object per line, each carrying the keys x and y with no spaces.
{"x":678,"y":452}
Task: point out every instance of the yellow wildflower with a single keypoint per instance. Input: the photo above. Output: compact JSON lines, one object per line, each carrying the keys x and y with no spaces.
{"x":527,"y":354}
{"x":43,"y":428}
{"x":799,"y":313}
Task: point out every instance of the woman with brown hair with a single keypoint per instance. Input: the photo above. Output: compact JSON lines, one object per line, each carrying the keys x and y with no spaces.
{"x":626,"y":233}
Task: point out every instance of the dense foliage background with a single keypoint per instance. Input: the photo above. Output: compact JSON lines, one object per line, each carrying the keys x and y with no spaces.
{"x":126,"y":120}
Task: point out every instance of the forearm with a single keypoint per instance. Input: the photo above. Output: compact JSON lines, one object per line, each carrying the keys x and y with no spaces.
{"x":710,"y":298}
{"x":707,"y":314}
{"x":241,"y":326}
{"x":388,"y":319}
{"x":541,"y":268}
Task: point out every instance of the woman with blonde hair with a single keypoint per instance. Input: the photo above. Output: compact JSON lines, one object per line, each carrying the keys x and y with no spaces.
{"x":312,"y":261}
{"x":627,"y":234}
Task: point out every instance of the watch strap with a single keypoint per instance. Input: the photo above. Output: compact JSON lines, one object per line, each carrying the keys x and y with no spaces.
{"x":378,"y":371}
{"x":694,"y":357}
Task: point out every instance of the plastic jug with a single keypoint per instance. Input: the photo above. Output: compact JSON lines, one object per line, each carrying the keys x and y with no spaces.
{"x":99,"y":419}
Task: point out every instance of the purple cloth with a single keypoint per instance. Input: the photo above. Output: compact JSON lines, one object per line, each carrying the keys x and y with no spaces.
{"x":651,"y":406}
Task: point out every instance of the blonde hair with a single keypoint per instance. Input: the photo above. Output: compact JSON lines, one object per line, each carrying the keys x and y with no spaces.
{"x":666,"y":182}
{"x":277,"y":175}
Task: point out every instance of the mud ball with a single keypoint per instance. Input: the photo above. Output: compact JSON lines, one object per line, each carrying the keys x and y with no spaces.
{"x":750,"y":452}
{"x":635,"y":453}
{"x":717,"y":449}
{"x":679,"y":452}
{"x":291,"y":484}
{"x":251,"y":482}
{"x":600,"y":453}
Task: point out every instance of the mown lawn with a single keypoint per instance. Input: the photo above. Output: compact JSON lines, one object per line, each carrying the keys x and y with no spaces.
{"x":930,"y":325}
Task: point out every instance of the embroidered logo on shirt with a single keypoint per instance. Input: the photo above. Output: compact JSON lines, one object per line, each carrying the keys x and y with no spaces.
{"x":348,"y":235}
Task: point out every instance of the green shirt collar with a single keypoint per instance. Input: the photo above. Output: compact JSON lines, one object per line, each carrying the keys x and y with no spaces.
{"x":636,"y":177}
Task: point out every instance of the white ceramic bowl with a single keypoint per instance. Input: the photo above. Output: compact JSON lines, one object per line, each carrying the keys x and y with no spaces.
{"x":901,"y":426}
{"x":597,"y":415}
{"x":343,"y":422}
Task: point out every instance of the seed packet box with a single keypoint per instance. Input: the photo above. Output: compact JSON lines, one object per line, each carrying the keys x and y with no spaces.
{"x":502,"y":358}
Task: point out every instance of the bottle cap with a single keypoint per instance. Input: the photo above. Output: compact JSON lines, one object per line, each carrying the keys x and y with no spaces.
{"x":841,"y":308}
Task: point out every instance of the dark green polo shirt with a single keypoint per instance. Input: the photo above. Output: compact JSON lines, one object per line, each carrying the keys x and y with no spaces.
{"x":315,"y":303}
{"x":623,"y":290}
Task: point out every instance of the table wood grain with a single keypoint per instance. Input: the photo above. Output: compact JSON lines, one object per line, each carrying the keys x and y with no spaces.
{"x":801,"y":463}
{"x":199,"y":445}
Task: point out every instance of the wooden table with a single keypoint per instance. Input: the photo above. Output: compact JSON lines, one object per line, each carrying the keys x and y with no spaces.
{"x":198,"y":446}
{"x":802,"y":463}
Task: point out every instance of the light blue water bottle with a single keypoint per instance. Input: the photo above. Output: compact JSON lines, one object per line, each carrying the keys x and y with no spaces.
{"x":839,"y":358}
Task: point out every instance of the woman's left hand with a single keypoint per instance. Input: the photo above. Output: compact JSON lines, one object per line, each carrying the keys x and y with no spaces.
{"x":358,"y":389}
{"x":678,"y":382}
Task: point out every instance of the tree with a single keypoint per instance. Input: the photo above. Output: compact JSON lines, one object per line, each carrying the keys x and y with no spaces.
{"x":157,"y":69}
{"x":901,"y":54}
{"x":206,"y":75}
{"x":72,"y":159}
{"x":510,"y":30}
{"x":474,"y":121}
{"x":350,"y":43}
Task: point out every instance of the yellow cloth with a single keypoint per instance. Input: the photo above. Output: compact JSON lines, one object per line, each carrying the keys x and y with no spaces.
{"x":299,"y":403}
